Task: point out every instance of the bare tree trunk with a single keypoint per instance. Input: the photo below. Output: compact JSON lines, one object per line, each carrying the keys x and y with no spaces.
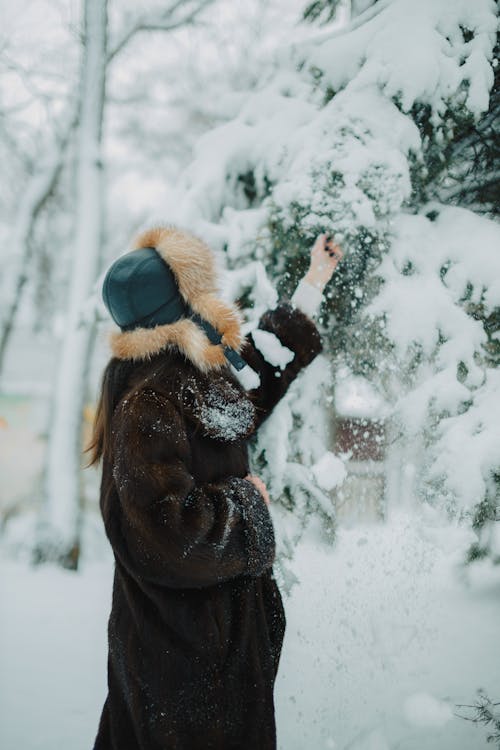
{"x":58,"y":531}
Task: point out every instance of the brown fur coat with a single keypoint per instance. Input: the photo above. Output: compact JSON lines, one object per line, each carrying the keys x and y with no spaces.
{"x":197,"y":621}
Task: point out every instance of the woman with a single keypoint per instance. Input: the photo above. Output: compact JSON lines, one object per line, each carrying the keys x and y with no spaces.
{"x":197,"y":621}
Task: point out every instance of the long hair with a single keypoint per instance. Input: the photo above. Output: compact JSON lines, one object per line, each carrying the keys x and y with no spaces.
{"x":114,"y":383}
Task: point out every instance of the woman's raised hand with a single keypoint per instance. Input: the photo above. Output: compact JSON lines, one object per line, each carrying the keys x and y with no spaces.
{"x":257,"y":481}
{"x":325,"y":256}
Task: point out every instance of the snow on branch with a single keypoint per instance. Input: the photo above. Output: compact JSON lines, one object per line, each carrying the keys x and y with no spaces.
{"x":426,"y":52}
{"x":327,"y":33}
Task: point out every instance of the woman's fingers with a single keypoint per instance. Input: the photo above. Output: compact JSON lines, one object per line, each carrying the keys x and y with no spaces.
{"x":332,"y":248}
{"x":325,"y":256}
{"x":326,"y":243}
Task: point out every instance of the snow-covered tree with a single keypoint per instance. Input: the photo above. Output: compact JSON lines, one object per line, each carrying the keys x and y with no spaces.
{"x":58,"y":534}
{"x":39,"y":114}
{"x":362,"y":131}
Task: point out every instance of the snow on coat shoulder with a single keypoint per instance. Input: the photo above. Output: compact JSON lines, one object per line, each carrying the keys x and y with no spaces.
{"x":222,"y":411}
{"x":272,"y":349}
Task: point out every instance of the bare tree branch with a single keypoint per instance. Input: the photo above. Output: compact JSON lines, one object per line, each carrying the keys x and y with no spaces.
{"x":163,"y":20}
{"x":38,"y":191}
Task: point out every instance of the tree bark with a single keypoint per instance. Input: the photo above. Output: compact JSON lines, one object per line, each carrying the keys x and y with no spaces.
{"x":59,"y":523}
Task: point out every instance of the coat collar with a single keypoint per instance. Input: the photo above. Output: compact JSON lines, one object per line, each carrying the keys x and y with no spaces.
{"x":193,"y":265}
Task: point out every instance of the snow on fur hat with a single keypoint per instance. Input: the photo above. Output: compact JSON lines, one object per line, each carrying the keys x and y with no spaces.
{"x":163,"y":293}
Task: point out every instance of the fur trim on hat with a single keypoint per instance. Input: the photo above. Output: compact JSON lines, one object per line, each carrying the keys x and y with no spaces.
{"x":193,"y":265}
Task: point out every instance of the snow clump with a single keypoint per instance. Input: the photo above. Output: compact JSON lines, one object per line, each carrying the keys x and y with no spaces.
{"x":329,"y":471}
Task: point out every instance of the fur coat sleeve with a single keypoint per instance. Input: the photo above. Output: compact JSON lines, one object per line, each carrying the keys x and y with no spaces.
{"x":294,"y":329}
{"x":176,"y":533}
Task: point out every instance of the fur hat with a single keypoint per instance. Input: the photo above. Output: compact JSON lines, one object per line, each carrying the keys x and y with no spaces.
{"x":173,"y":303}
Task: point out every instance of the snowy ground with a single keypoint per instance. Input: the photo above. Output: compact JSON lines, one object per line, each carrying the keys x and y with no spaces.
{"x":385,"y":635}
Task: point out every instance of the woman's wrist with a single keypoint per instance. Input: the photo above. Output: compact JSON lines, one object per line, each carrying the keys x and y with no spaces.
{"x":307,"y":297}
{"x":316,"y":278}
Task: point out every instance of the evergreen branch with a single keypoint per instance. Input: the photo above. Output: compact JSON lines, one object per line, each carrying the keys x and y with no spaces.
{"x":367,"y":15}
{"x":485,"y":712}
{"x":486,"y":181}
